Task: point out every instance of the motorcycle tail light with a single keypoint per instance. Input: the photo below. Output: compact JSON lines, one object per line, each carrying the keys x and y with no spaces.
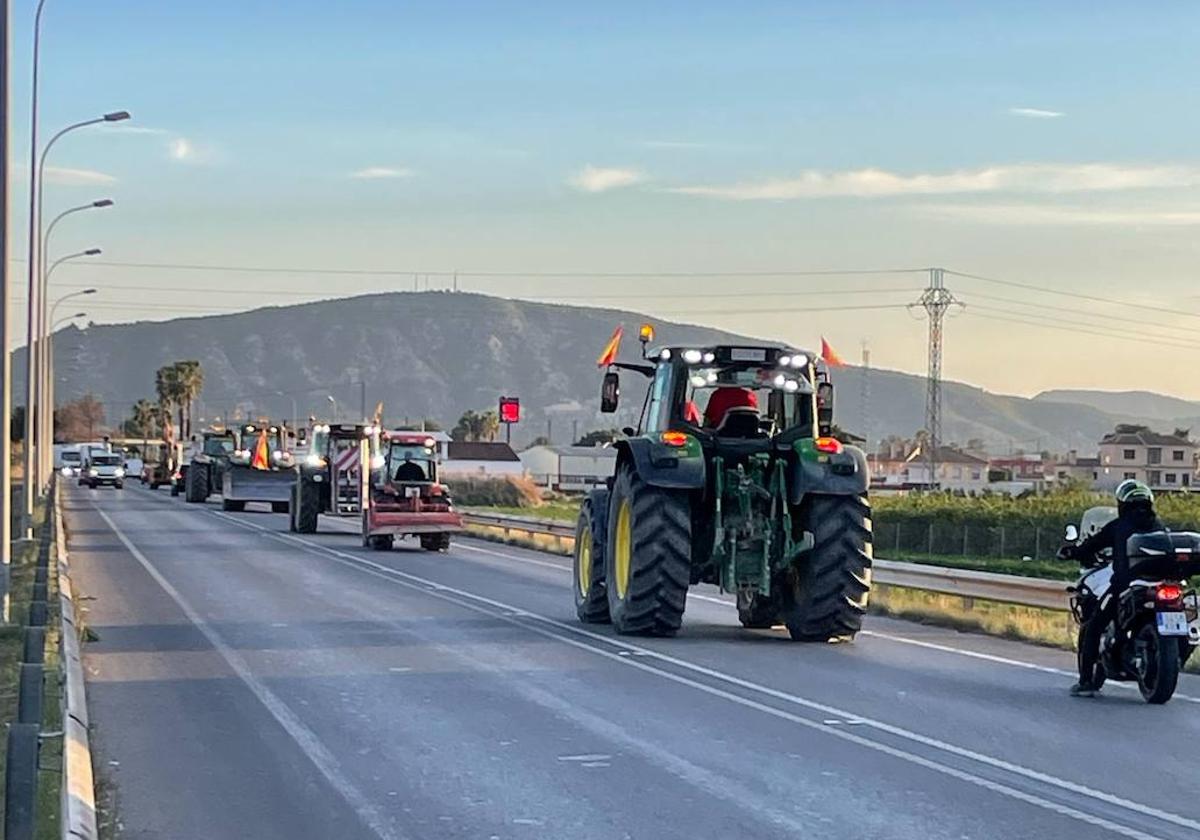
{"x":1169,"y":593}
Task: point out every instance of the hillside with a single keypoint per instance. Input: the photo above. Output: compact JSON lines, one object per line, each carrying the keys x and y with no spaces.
{"x":1155,"y":408}
{"x":437,"y":354}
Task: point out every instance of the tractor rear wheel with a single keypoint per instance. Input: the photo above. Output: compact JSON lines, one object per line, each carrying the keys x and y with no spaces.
{"x":825,"y":593}
{"x":384,"y":542}
{"x":280,"y":507}
{"x":306,"y":506}
{"x":591,"y":534}
{"x":196,"y":484}
{"x":648,"y":556}
{"x":231,"y":505}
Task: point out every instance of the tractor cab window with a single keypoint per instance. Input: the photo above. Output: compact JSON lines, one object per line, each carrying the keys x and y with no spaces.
{"x":318,"y":440}
{"x":218,"y":446}
{"x":744,"y":401}
{"x":657,"y":417}
{"x":410,"y":462}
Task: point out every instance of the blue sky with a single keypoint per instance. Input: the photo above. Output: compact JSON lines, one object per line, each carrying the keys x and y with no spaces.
{"x":1048,"y":144}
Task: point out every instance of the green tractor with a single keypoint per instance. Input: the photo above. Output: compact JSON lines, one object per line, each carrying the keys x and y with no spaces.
{"x":329,"y":478}
{"x":731,"y":478}
{"x":204,"y":473}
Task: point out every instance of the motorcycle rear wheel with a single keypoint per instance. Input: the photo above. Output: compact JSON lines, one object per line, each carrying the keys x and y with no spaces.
{"x":1159,"y":672}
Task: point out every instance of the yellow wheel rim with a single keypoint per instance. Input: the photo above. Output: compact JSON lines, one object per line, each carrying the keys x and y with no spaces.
{"x":623,"y":549}
{"x":584,"y":558}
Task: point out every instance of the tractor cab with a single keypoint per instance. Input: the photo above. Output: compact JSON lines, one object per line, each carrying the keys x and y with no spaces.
{"x":216,"y":444}
{"x":408,"y":462}
{"x":263,"y":446}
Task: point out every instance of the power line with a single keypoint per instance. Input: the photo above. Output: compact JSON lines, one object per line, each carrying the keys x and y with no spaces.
{"x":1079,"y":295}
{"x":1106,"y":330}
{"x":974,"y":311}
{"x":1077,"y":313}
{"x":785,"y":310}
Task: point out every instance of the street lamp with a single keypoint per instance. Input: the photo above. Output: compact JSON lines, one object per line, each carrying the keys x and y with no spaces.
{"x":64,"y":320}
{"x":45,"y":246}
{"x":47,"y":429}
{"x":44,"y":367}
{"x":333,"y":403}
{"x":35,"y":310}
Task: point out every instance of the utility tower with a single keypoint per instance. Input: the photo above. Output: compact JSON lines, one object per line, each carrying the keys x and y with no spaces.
{"x":935,"y":300}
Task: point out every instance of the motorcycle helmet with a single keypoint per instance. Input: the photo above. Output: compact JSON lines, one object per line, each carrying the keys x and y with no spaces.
{"x":1133,"y":491}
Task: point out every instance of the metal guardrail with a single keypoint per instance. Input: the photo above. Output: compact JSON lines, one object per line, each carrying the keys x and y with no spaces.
{"x":986,"y":586}
{"x":78,"y":782}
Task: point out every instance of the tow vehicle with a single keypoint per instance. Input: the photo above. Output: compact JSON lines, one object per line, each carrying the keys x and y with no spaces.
{"x":329,"y":477}
{"x":404,"y":496}
{"x":260,"y":469}
{"x":103,"y":469}
{"x":732,"y":477}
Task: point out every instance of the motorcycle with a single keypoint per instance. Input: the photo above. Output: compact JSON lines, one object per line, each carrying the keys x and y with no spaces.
{"x":1156,"y":628}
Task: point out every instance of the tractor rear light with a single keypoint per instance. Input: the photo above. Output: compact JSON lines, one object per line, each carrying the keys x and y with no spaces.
{"x":828,"y":445}
{"x":1169,"y":593}
{"x":676,"y":439}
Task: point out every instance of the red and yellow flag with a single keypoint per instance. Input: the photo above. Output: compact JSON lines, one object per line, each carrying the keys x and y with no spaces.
{"x":262,"y":453}
{"x":609,"y":354}
{"x":829,"y":355}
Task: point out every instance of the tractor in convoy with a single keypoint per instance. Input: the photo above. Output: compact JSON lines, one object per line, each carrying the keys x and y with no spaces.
{"x":403,"y":494}
{"x":261,"y":468}
{"x":205,"y":470}
{"x":732,"y":477}
{"x":329,"y":478}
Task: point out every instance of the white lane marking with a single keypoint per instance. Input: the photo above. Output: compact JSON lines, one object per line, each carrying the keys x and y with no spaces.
{"x":585,"y":757}
{"x":874,"y":634}
{"x":447,"y":593}
{"x":304,"y":737}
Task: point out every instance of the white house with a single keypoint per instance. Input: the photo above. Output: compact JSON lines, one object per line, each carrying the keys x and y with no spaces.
{"x":569,"y":468}
{"x":1165,"y":462}
{"x":481,"y":459}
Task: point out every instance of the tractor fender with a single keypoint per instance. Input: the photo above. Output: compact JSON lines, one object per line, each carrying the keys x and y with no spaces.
{"x":843,"y":474}
{"x":662,"y":466}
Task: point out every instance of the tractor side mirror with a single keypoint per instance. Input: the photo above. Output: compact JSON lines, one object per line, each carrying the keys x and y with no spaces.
{"x":825,"y":407}
{"x":610,"y":392}
{"x":1072,"y":534}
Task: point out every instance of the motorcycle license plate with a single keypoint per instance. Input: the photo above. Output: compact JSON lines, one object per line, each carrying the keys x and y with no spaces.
{"x":1172,"y":624}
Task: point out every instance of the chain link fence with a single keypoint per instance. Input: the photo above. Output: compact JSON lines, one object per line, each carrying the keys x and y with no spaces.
{"x":933,"y":538}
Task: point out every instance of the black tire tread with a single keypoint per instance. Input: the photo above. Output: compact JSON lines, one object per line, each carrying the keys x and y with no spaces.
{"x":660,"y":566}
{"x":196,"y":487}
{"x":307,"y":506}
{"x":592,"y":608}
{"x":827,"y":596}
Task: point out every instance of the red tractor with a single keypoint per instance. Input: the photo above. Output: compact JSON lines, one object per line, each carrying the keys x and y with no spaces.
{"x":403,"y":495}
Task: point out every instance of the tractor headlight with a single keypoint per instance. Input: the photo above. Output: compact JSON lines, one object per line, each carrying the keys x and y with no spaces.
{"x":698,"y":380}
{"x":779,"y":380}
{"x":120,"y":472}
{"x":791,"y":386}
{"x":709,"y":358}
{"x":692,"y":357}
{"x":378,"y":462}
{"x":665,"y":355}
{"x":799,"y":360}
{"x":314,"y":460}
{"x":430,"y":443}
{"x":784,"y":361}
{"x":65,"y":472}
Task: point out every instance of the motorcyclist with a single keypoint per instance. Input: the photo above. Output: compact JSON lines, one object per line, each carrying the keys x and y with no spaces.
{"x":1135,"y":515}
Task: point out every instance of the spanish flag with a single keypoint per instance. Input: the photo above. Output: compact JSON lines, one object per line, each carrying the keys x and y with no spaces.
{"x":262,"y":453}
{"x":609,"y":355}
{"x":830,"y":356}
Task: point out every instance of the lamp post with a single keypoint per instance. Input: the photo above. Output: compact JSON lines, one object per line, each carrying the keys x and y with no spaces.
{"x":333,"y":403}
{"x":45,"y":428}
{"x":37,"y":165}
{"x":48,"y":380}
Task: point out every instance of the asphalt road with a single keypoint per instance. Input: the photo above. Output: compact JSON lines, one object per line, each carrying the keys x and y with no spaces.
{"x":248,"y":682}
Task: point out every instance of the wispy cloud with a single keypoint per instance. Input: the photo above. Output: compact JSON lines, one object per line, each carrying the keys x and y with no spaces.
{"x":380,"y":173}
{"x":673,"y":144}
{"x":1043,"y":214}
{"x":598,"y":179}
{"x":64,"y":176}
{"x":125,"y":128}
{"x":181,"y":149}
{"x":879,"y":183}
{"x":1035,"y":113}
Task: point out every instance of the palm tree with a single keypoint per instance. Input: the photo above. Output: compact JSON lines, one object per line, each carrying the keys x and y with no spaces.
{"x":143,"y":418}
{"x":167,"y":385}
{"x":489,"y":425}
{"x":190,"y":377}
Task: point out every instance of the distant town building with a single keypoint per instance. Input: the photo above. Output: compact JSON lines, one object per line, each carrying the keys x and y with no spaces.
{"x":481,"y":458}
{"x":1081,"y":470}
{"x":904,"y":465}
{"x":1165,"y":462}
{"x":569,"y":468}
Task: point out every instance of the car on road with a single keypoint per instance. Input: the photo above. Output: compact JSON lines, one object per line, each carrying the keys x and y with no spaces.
{"x":103,"y":468}
{"x":70,"y":462}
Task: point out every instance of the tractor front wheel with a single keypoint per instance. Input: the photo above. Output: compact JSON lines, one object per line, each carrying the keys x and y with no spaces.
{"x":435,"y":542}
{"x":591,"y":533}
{"x":825,"y":592}
{"x":306,"y":506}
{"x":648,"y":556}
{"x":232,"y":505}
{"x":196,"y":484}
